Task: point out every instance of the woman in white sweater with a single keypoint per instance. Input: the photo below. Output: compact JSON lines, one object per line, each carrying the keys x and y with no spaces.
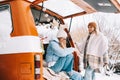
{"x":94,"y":49}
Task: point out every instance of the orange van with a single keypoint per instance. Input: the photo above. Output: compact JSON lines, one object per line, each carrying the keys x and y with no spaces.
{"x":20,"y":46}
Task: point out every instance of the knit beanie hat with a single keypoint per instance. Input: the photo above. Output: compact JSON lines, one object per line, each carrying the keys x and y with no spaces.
{"x":61,"y":32}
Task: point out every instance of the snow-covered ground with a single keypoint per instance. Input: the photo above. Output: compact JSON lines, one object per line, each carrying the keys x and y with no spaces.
{"x":112,"y":76}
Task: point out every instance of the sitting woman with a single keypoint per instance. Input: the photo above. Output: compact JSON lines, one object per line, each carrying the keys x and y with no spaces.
{"x":60,"y":58}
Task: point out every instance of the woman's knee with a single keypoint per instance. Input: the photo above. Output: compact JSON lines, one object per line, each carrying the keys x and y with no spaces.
{"x":70,"y":56}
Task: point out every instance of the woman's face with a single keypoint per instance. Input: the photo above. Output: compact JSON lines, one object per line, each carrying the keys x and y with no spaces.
{"x":91,"y":29}
{"x":63,"y":40}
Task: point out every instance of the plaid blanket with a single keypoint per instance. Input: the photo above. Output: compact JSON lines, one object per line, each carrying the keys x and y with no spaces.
{"x":96,"y":62}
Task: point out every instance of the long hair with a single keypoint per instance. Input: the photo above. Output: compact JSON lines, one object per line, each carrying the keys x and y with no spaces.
{"x":94,"y":25}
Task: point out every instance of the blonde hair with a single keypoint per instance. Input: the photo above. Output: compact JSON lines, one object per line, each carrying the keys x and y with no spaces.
{"x":94,"y":25}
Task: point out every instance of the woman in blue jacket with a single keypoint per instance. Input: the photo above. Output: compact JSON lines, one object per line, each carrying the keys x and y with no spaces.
{"x":60,"y":58}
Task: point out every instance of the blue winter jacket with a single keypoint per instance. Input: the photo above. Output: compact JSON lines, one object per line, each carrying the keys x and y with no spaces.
{"x":54,"y":51}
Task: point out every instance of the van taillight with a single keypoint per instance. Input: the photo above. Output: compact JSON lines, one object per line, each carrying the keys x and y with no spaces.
{"x":37,"y":67}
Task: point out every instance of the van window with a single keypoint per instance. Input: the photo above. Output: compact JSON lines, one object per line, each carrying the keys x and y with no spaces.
{"x":5,"y":21}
